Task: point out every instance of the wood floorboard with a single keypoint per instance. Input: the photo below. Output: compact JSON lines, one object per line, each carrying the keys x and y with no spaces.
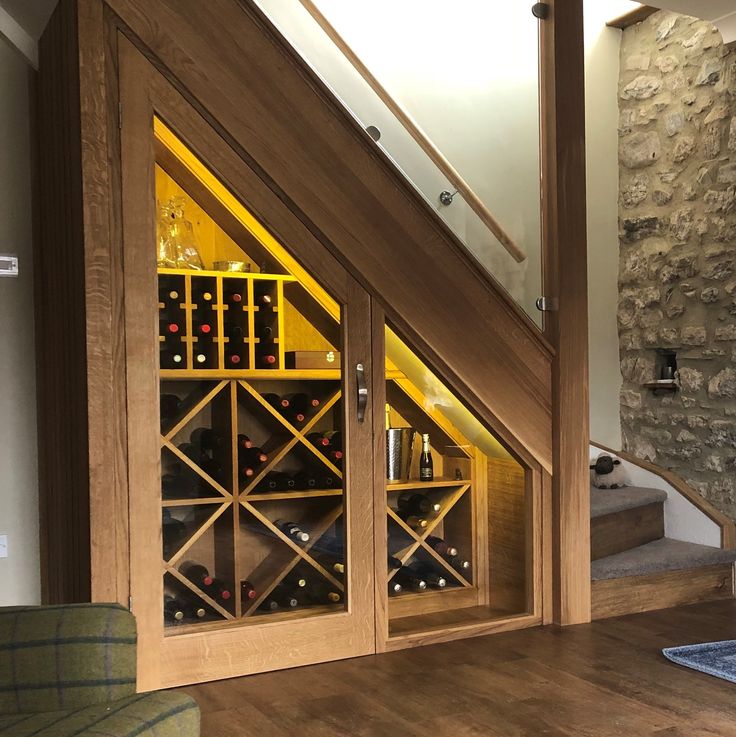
{"x":605,"y":679}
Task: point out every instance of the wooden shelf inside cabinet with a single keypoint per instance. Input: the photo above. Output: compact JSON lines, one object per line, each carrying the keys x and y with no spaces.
{"x":436,"y":484}
{"x":661,"y":386}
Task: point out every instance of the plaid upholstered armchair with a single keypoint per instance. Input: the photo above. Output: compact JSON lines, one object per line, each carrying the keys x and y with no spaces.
{"x":70,"y":670}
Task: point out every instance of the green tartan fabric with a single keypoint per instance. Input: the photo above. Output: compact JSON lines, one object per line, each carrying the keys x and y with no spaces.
{"x":158,"y":714}
{"x":70,"y":671}
{"x":65,"y":657}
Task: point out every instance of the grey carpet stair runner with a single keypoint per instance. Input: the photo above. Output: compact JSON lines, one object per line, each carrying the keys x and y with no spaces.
{"x":654,"y":557}
{"x":608,"y":501}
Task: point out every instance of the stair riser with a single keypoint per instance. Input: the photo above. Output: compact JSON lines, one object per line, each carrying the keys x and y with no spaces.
{"x":619,"y":531}
{"x":617,"y":596}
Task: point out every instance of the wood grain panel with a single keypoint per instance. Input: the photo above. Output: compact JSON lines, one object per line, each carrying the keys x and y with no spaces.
{"x":565,"y":282}
{"x":356,"y":203}
{"x":617,"y":596}
{"x":60,"y":322}
{"x":508,"y":539}
{"x":614,"y":533}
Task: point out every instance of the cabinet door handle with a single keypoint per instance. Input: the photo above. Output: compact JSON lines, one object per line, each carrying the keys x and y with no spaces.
{"x":362,"y":391}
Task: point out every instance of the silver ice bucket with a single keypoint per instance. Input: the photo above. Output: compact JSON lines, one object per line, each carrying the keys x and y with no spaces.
{"x":399,"y":442}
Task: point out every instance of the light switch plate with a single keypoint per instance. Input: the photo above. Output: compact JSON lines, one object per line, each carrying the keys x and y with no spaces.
{"x":3,"y":546}
{"x":8,"y":264}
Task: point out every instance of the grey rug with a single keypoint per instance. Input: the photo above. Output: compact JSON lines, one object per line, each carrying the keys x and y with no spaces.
{"x":714,"y":658}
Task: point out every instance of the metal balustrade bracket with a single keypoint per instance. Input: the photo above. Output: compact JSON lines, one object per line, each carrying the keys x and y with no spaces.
{"x":540,"y":10}
{"x":547,"y":304}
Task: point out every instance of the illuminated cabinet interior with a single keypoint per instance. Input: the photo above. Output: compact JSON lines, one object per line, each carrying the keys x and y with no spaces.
{"x":258,"y":462}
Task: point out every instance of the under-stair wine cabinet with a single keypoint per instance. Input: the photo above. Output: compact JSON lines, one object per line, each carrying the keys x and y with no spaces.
{"x":259,"y":455}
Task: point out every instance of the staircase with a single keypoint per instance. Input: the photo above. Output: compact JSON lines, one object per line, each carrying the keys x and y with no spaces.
{"x":635,"y":568}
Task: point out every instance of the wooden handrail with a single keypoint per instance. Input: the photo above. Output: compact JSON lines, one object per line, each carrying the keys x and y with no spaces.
{"x":418,"y":135}
{"x":726,"y":524}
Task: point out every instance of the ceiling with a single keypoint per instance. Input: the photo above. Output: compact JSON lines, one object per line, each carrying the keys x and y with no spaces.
{"x":32,"y":15}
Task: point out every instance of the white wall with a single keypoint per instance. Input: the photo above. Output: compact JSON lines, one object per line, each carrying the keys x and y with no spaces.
{"x":19,"y":573}
{"x":601,"y":101}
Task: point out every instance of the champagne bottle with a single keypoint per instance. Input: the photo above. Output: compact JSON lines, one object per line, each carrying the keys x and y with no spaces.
{"x":292,"y":530}
{"x":429,"y":574}
{"x":207,"y":438}
{"x":196,"y":573}
{"x":426,"y":467}
{"x":441,"y":547}
{"x":247,"y":591}
{"x":414,"y":503}
{"x":409,"y":580}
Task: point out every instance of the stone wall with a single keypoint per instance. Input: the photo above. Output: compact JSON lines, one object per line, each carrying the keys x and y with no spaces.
{"x":677,"y":269}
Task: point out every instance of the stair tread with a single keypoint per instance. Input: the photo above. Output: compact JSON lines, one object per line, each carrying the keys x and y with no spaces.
{"x":608,"y":501}
{"x":661,"y":555}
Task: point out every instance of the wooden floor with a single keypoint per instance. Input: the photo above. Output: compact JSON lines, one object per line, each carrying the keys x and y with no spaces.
{"x":600,"y":680}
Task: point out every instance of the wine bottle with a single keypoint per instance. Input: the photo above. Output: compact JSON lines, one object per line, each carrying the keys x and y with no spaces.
{"x":261,"y":295}
{"x":200,"y":294}
{"x":177,"y":486}
{"x":335,"y":456}
{"x":196,"y":573}
{"x":331,"y":563}
{"x":318,"y":439}
{"x":171,"y":406}
{"x":244,"y":442}
{"x":283,"y":597}
{"x":168,"y":297}
{"x":202,"y":328}
{"x":268,"y":483}
{"x":192,"y":610}
{"x":426,"y":467}
{"x":218,"y":590}
{"x":414,"y":503}
{"x":232,"y":331}
{"x":458,"y":563}
{"x":335,"y":438}
{"x":200,"y":358}
{"x":428,"y":573}
{"x":232,"y":358}
{"x":192,"y":451}
{"x":212,"y":468}
{"x":294,"y":416}
{"x":249,"y":460}
{"x":266,"y":359}
{"x":301,"y":401}
{"x":413,"y":520}
{"x":277,"y":402}
{"x":171,"y":357}
{"x":394,"y":588}
{"x":269,"y":605}
{"x":168,"y":328}
{"x":393,"y":562}
{"x":440,"y":546}
{"x":327,"y":481}
{"x":295,"y":580}
{"x":173,"y":612}
{"x":264,"y":333}
{"x":283,"y":481}
{"x":207,"y":438}
{"x":409,"y":580}
{"x":173,"y":531}
{"x":233,"y":296}
{"x":322,"y":592}
{"x":247,"y":591}
{"x":292,"y":530}
{"x":305,"y":480}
